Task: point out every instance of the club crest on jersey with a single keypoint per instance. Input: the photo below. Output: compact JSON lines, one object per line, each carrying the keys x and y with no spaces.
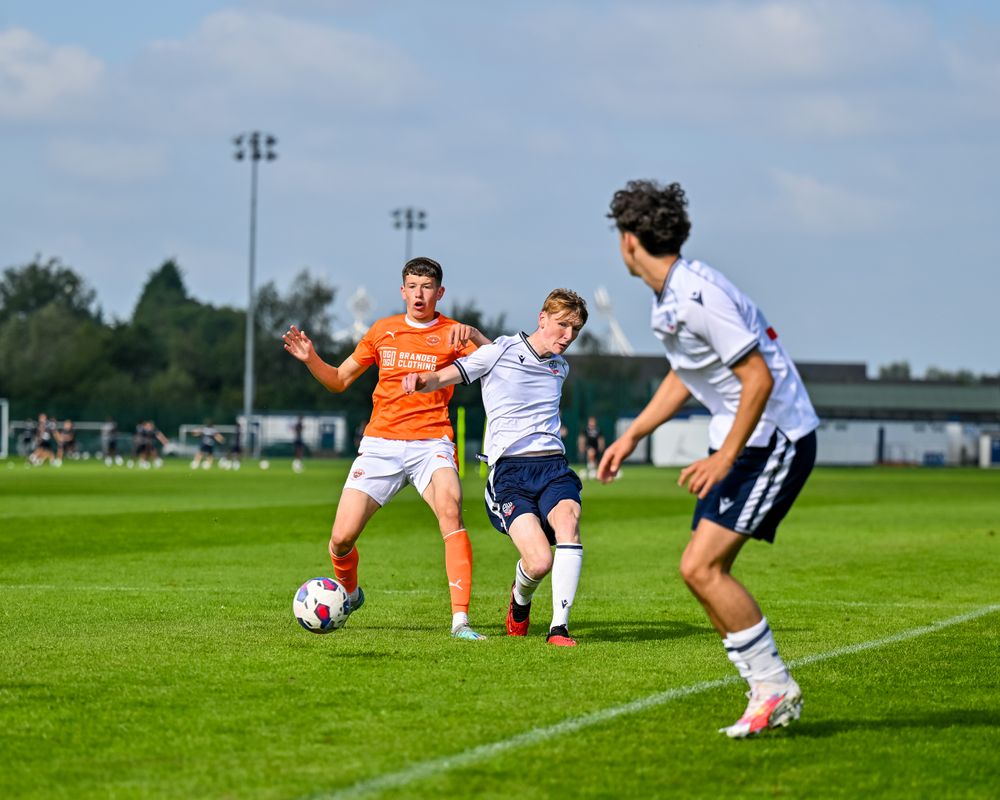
{"x":388,"y":356}
{"x":433,"y":340}
{"x":669,"y":322}
{"x":553,"y":368}
{"x":507,"y":509}
{"x":358,"y":473}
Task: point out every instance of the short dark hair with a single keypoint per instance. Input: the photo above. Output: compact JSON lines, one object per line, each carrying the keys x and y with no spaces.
{"x":424,"y":267}
{"x":655,"y":214}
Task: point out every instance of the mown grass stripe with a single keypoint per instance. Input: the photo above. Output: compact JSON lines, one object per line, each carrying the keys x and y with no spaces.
{"x":427,"y":769}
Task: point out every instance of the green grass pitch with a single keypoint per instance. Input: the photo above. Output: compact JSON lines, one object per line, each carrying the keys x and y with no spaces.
{"x":148,"y":649}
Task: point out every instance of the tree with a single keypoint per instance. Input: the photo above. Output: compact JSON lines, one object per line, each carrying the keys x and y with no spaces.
{"x":28,"y":289}
{"x":470,"y":314}
{"x":163,"y":296}
{"x":51,"y":359}
{"x":282,"y":382}
{"x":965,"y":376}
{"x":306,"y":305}
{"x":896,"y":371}
{"x":589,"y":344}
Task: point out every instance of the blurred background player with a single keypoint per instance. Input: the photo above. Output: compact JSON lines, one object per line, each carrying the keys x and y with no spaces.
{"x":532,"y":495}
{"x":109,"y":442}
{"x":67,"y":441}
{"x":762,"y":436}
{"x":408,"y":438}
{"x":45,"y":442}
{"x":298,"y":444}
{"x":148,"y":435}
{"x":26,"y":444}
{"x":233,"y":458}
{"x":590,"y":445}
{"x":210,"y":436}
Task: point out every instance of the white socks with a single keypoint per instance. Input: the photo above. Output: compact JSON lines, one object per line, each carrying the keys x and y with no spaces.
{"x":755,"y":655}
{"x":524,"y":587}
{"x":566,"y":566}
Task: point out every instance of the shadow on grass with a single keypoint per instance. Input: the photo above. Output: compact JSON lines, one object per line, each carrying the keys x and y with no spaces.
{"x":638,"y":630}
{"x":965,"y":717}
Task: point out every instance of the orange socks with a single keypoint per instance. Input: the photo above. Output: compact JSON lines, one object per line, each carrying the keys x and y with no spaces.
{"x":458,"y":565}
{"x":345,"y":569}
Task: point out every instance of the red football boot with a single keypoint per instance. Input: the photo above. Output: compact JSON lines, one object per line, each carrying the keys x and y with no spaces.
{"x":560,"y":637}
{"x":517,"y":628}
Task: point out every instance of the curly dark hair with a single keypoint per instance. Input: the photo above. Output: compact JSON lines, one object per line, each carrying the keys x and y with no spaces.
{"x":656,"y":214}
{"x":424,"y":267}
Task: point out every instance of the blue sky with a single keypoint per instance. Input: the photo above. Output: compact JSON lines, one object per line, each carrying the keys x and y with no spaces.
{"x":841,"y":158}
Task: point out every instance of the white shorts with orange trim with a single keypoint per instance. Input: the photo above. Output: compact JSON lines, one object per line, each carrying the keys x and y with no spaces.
{"x":384,"y":466}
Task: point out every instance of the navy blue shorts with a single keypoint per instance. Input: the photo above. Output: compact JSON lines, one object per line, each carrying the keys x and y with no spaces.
{"x":760,"y":488}
{"x":529,"y":485}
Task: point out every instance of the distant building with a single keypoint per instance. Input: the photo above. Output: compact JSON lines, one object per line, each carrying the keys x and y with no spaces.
{"x":865,"y":420}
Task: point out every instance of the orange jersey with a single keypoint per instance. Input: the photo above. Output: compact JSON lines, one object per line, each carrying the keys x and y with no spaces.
{"x":400,"y":348}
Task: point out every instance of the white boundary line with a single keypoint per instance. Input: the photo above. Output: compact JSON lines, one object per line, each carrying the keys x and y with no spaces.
{"x":426,"y":769}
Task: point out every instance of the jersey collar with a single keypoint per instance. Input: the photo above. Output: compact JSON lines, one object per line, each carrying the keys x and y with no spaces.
{"x":666,"y":281}
{"x":524,"y":338}
{"x":414,"y":324}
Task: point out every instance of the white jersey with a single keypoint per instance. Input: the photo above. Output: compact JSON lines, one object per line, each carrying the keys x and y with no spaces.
{"x":707,"y":325}
{"x":521,"y":394}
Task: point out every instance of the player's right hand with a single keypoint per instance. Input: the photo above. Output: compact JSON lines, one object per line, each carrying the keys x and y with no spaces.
{"x":413,"y":383}
{"x":613,"y":457}
{"x":298,"y":344}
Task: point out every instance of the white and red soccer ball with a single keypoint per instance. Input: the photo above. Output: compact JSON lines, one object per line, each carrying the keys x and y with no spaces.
{"x":321,"y":605}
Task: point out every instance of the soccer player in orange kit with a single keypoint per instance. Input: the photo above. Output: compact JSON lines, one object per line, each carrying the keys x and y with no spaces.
{"x":409,"y":437}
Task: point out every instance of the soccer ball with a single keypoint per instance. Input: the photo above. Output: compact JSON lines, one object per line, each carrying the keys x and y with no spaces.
{"x":321,"y":605}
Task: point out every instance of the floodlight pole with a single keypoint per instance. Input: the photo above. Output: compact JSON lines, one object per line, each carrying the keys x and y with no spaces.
{"x":254,"y":146}
{"x":409,"y":219}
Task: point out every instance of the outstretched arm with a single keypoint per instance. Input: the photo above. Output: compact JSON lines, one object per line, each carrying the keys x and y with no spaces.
{"x":669,"y":397}
{"x":335,"y":379}
{"x":431,"y":381}
{"x":757,"y":383}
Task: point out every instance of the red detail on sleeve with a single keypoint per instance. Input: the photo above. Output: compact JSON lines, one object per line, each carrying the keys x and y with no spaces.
{"x":772,"y":334}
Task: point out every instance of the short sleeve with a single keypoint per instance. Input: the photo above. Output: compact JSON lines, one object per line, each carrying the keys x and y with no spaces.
{"x":714,"y":316}
{"x":365,"y":352}
{"x":473,"y":366}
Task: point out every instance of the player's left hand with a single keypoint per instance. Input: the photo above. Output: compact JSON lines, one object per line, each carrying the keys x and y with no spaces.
{"x":703,"y":474}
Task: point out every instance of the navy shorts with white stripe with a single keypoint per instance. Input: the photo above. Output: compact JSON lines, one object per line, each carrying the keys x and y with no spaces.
{"x":760,"y":488}
{"x":529,"y":485}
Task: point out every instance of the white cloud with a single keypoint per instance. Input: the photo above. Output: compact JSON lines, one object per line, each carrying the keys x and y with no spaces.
{"x":266,"y":56}
{"x":793,"y":68}
{"x":39,"y":80}
{"x":827,"y":209}
{"x":106,"y":161}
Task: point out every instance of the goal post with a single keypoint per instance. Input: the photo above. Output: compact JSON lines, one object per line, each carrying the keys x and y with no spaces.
{"x":989,"y":449}
{"x":187,"y":444}
{"x":4,"y":427}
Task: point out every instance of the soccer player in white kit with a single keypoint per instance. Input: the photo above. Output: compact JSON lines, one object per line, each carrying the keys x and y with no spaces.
{"x":762,"y":441}
{"x":532,"y":495}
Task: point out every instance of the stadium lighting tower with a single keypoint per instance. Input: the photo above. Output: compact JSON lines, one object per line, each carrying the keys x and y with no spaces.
{"x":254,"y":146}
{"x":410,"y":219}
